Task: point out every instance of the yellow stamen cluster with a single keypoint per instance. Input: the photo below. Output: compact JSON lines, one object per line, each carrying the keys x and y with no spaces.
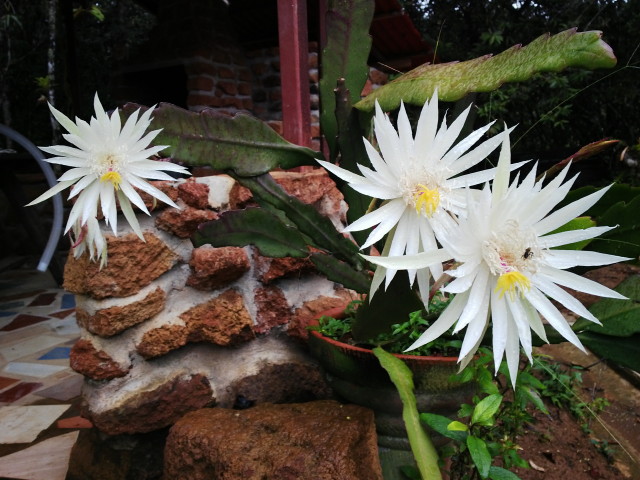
{"x":509,"y":281}
{"x":113,"y":177}
{"x":426,"y":200}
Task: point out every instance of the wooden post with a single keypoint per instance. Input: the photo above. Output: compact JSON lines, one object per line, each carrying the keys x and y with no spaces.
{"x":294,"y":71}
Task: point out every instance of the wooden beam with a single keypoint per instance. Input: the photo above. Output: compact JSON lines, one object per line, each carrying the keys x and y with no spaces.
{"x":294,"y":71}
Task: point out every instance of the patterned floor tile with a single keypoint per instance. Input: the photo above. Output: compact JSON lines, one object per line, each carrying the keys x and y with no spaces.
{"x":6,"y":381}
{"x":56,"y":353}
{"x":18,"y":296}
{"x":23,"y":424}
{"x":23,"y":320}
{"x":19,"y":391}
{"x":37,"y":370}
{"x":64,"y":390}
{"x":63,"y":313}
{"x":47,"y":460}
{"x":68,"y":301}
{"x":43,"y":299}
{"x":29,"y":346}
{"x":65,"y":327}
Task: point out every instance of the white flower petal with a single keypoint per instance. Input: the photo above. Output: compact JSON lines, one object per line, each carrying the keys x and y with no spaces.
{"x":340,"y":172}
{"x":578,"y":282}
{"x":569,"y":212}
{"x":444,"y":322}
{"x":564,"y":259}
{"x":563,"y":297}
{"x":571,"y":236}
{"x":52,"y":191}
{"x":478,"y":300}
{"x":476,"y":327}
{"x":523,"y":332}
{"x":129,"y":214}
{"x":420,"y":260}
{"x":553,"y":316}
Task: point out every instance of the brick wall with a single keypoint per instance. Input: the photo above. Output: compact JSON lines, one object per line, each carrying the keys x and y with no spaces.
{"x":168,"y":328}
{"x":198,"y":37}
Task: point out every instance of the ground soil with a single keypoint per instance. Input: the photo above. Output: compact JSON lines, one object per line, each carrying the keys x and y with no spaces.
{"x":557,"y":448}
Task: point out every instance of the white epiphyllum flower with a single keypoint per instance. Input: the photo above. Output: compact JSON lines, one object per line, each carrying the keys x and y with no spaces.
{"x":108,"y":160}
{"x":419,"y":181}
{"x":510,"y":265}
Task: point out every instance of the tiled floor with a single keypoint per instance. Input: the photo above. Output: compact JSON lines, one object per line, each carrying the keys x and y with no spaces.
{"x":39,"y":393}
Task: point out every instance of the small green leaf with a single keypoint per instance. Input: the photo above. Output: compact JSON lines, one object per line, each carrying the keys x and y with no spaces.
{"x":440,"y":424}
{"x":579,"y":223}
{"x":457,"y":426}
{"x":499,"y":473}
{"x":479,"y":454}
{"x":486,"y":409}
{"x":484,"y":378}
{"x":455,"y":80}
{"x":96,"y":12}
{"x":534,"y":397}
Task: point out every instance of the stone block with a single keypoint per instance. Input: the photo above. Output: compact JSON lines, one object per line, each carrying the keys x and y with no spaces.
{"x":95,"y":364}
{"x":153,"y":409}
{"x":194,"y":194}
{"x":133,"y":264}
{"x":288,"y":382}
{"x":320,"y":440}
{"x":183,"y":223}
{"x":110,"y":321}
{"x":214,"y":268}
{"x":160,"y":341}
{"x":276,"y":268}
{"x":222,"y":321}
{"x":272,"y":309}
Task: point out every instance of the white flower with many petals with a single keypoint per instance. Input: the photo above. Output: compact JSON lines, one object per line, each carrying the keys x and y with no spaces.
{"x":419,"y":180}
{"x":510,"y":265}
{"x":107,"y":161}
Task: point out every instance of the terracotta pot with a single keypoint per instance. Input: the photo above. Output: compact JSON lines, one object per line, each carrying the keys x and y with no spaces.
{"x":355,"y":374}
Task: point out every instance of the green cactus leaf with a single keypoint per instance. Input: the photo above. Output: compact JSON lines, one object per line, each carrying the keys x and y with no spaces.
{"x":456,"y":79}
{"x":344,"y":57}
{"x":240,"y":143}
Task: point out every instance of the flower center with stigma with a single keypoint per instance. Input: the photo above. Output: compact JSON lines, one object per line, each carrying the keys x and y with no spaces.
{"x":422,"y":190}
{"x":512,"y":253}
{"x":107,"y":166}
{"x":426,"y":199}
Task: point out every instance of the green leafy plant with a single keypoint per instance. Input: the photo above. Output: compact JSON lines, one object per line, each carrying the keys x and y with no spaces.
{"x":400,"y":335}
{"x":561,"y":386}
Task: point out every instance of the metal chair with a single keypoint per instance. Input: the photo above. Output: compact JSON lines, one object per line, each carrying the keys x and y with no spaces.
{"x":58,"y":211}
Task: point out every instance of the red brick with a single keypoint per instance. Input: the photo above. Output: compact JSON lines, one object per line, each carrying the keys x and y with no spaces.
{"x":200,"y":83}
{"x":226,"y":72}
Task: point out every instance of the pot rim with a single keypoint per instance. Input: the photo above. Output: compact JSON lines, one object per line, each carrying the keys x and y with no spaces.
{"x":338,"y":312}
